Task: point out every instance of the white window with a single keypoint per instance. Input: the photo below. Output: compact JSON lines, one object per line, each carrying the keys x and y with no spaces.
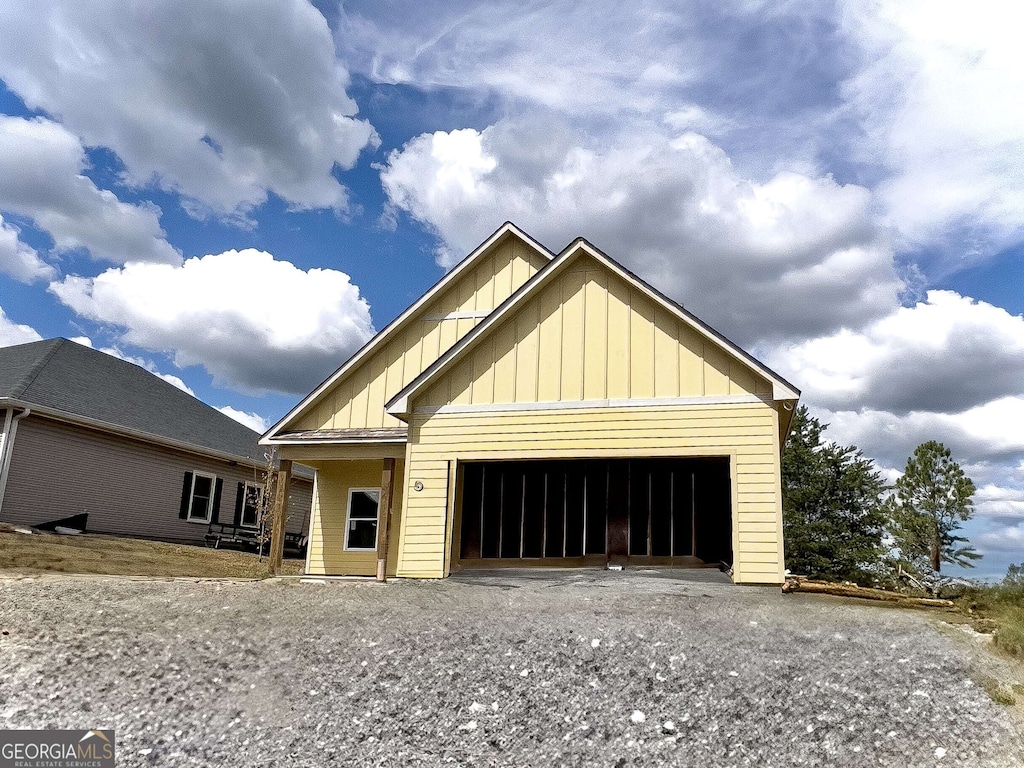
{"x":361,"y":520}
{"x":200,"y":505}
{"x":252,"y":495}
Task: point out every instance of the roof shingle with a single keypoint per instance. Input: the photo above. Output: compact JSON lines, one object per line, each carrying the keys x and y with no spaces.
{"x":61,"y":375}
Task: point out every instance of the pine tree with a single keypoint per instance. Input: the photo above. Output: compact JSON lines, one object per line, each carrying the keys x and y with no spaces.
{"x":832,"y":505}
{"x":932,"y":498}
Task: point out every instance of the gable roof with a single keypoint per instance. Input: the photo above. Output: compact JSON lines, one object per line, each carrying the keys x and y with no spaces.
{"x":414,"y":310}
{"x":71,"y":382}
{"x":399,"y":405}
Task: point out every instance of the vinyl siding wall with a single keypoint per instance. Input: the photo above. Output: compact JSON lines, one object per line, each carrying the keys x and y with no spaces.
{"x":128,"y":487}
{"x":591,"y":336}
{"x":746,"y":432}
{"x":327,"y":555}
{"x":358,"y":399}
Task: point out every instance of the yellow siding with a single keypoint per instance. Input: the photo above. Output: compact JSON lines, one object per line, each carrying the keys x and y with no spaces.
{"x":358,"y":399}
{"x":327,"y":555}
{"x":589,"y":335}
{"x":746,"y":432}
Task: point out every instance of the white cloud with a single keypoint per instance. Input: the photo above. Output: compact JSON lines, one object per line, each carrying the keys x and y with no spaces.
{"x":790,"y":257}
{"x":19,"y":260}
{"x":945,"y":354}
{"x":222,"y":101}
{"x":1008,"y":539}
{"x":693,"y":117}
{"x":12,"y":333}
{"x":41,"y":177}
{"x":937,"y":98}
{"x":253,"y":322}
{"x":915,"y":97}
{"x":997,"y":501}
{"x":562,"y":54}
{"x":975,"y":435}
{"x":253,"y":421}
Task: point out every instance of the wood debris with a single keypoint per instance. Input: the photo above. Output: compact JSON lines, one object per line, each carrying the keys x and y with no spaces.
{"x":798,"y":584}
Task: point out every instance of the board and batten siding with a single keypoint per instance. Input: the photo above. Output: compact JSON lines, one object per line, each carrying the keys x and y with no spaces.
{"x":592,"y":336}
{"x":129,"y":487}
{"x":327,"y":555}
{"x":745,"y":432}
{"x":357,"y":400}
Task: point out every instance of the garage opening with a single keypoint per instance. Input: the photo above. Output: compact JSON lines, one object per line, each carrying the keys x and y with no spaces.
{"x":669,"y":511}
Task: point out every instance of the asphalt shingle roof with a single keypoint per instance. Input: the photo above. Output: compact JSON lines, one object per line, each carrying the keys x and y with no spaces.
{"x":62,"y":375}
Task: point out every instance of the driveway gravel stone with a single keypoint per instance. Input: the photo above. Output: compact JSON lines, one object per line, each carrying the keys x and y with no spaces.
{"x":586,"y":668}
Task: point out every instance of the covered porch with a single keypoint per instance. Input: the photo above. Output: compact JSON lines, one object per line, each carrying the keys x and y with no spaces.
{"x":357,"y":500}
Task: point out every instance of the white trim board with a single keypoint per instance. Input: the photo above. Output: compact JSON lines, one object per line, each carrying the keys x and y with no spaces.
{"x":558,"y":405}
{"x":335,"y":441}
{"x":348,"y":520}
{"x":457,"y":316}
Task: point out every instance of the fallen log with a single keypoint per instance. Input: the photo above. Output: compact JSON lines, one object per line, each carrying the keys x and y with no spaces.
{"x":865,"y":593}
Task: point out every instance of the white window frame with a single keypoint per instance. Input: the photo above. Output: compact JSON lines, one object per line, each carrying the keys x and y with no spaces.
{"x":348,"y":520}
{"x":245,"y":495}
{"x":209,"y":502}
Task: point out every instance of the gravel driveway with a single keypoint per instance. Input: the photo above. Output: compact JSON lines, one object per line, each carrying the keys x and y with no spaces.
{"x":587,"y":668}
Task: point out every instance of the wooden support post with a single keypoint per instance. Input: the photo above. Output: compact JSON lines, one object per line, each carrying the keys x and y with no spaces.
{"x":387,"y":492}
{"x":284,"y":481}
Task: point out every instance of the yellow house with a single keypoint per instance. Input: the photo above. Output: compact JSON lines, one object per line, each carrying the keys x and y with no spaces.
{"x":534,"y":409}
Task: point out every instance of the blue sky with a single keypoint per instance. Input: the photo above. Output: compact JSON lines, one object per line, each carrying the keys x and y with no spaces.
{"x":237,"y":195}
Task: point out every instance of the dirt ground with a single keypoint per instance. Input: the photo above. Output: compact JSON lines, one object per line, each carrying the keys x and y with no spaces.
{"x":557,"y":668}
{"x":89,"y":553}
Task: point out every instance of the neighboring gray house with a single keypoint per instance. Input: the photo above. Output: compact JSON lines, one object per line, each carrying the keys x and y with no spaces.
{"x":82,"y":432}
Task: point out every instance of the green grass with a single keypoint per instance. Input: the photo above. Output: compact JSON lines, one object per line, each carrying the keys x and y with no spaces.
{"x":1002,"y":605}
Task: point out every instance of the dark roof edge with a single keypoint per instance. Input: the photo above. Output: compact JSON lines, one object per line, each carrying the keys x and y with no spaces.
{"x":467,"y":341}
{"x":35,"y":370}
{"x":717,"y":334}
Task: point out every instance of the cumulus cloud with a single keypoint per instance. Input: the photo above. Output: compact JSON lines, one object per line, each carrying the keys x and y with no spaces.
{"x":933,"y":93}
{"x":19,"y":260}
{"x":220,"y":101}
{"x":41,"y":177}
{"x":1005,"y":539}
{"x":789,"y":257}
{"x":254,"y":323}
{"x":947,"y":353}
{"x":12,"y":333}
{"x":1000,"y":502}
{"x":253,"y":421}
{"x":976,"y":435}
{"x":912,"y":97}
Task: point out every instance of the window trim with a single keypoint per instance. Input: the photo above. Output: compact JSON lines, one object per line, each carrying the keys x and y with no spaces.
{"x":348,"y":520}
{"x":246,"y":484}
{"x":209,"y":502}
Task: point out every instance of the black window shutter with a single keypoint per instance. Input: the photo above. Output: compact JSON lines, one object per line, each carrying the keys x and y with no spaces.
{"x":239,"y":502}
{"x":215,"y":517}
{"x":186,"y":494}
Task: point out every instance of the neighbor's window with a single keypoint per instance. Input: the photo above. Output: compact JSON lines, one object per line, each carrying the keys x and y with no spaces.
{"x":251,"y":498}
{"x":361,"y":522}
{"x":201,"y":499}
